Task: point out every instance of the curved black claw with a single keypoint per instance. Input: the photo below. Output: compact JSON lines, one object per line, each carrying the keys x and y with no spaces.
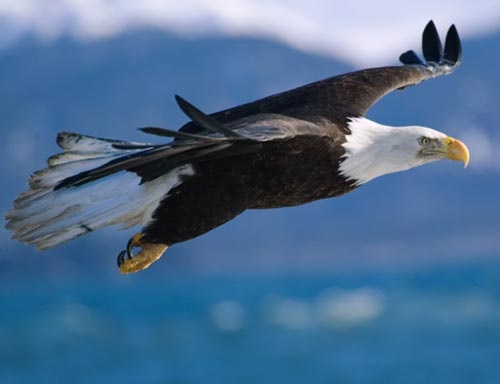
{"x":127,"y":253}
{"x":121,"y":258}
{"x":130,"y":247}
{"x":129,"y":262}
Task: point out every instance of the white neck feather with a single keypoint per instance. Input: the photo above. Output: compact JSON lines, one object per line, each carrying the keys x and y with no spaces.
{"x":373,"y":149}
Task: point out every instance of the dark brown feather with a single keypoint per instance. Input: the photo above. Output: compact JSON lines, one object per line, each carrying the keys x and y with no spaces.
{"x":275,"y":176}
{"x":349,"y":95}
{"x":336,"y":99}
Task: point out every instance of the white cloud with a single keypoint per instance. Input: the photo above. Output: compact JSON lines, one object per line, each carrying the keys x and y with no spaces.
{"x":361,"y":32}
{"x":482,"y":146}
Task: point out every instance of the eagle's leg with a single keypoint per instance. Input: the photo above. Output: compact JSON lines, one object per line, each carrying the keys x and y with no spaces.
{"x":150,"y":252}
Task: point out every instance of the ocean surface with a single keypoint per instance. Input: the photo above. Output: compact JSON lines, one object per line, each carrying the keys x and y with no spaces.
{"x":431,"y":325}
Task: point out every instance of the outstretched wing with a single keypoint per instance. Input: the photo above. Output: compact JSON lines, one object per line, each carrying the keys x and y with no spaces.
{"x":218,"y":140}
{"x":351,"y":95}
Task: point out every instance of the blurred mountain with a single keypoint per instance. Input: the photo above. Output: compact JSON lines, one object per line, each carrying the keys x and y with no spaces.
{"x":437,"y":213}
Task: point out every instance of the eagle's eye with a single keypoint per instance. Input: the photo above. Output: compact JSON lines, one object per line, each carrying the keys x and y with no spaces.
{"x":425,"y":141}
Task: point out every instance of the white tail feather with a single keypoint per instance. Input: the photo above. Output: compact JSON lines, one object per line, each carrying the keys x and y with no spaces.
{"x":45,"y":217}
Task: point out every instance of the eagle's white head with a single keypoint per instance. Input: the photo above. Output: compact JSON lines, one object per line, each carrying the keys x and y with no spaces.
{"x":373,"y":150}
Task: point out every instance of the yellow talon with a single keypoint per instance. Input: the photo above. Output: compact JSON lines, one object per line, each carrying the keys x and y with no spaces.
{"x":150,"y":252}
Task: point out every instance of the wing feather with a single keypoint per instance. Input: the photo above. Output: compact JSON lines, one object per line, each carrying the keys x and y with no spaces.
{"x":351,"y":95}
{"x":155,"y":161}
{"x":313,"y":109}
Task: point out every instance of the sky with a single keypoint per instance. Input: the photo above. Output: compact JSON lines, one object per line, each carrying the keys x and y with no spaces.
{"x":346,"y":31}
{"x":334,"y":28}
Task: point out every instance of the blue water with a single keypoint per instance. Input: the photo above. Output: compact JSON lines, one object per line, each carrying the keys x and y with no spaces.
{"x":438,"y":325}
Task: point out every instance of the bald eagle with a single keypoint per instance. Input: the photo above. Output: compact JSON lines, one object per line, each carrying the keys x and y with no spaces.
{"x":291,"y":148}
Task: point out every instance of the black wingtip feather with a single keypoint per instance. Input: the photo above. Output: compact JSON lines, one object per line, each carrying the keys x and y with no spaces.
{"x":174,"y":134}
{"x":431,"y":43}
{"x":410,"y":57}
{"x":205,"y":121}
{"x":442,"y":61}
{"x":156,"y":131}
{"x":452,"y":46}
{"x":161,"y":132}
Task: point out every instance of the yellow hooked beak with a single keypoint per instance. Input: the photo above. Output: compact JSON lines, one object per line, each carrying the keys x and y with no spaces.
{"x":456,"y":150}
